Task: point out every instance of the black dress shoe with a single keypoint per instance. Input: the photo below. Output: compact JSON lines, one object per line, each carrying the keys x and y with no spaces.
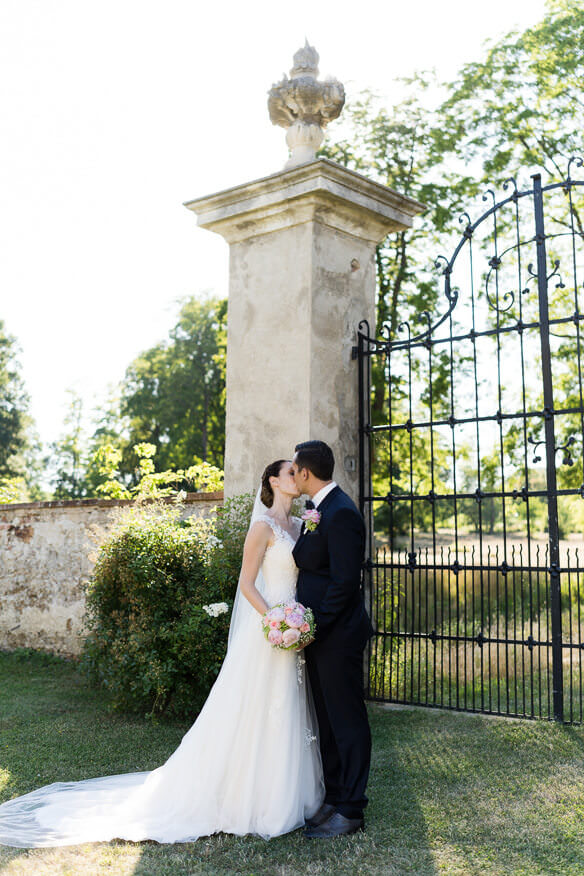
{"x":325,"y":811}
{"x":336,"y":825}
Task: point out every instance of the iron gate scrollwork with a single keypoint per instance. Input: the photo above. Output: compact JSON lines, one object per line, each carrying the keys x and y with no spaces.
{"x":472,"y":471}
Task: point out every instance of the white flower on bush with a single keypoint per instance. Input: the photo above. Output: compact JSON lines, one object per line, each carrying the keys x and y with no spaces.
{"x":216,"y":608}
{"x":214,"y":542}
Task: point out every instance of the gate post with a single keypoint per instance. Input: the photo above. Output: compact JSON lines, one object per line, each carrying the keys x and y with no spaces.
{"x":550,"y":453}
{"x":302,"y":276}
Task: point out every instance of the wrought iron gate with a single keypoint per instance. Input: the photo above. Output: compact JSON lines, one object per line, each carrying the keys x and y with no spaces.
{"x":472,"y":471}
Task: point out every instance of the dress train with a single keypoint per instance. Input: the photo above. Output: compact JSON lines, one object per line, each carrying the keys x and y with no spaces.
{"x":249,"y":764}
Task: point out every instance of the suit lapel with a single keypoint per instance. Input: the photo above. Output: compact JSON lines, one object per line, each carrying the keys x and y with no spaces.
{"x":321,"y":508}
{"x":328,"y":498}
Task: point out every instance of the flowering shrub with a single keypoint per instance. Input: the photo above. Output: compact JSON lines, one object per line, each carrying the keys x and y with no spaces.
{"x":152,"y":640}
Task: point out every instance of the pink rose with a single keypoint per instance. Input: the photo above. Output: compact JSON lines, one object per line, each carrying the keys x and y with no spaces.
{"x":275,"y":637}
{"x":276,"y":614}
{"x":288,"y":609}
{"x":305,"y":627}
{"x":295,"y":620}
{"x":290,"y":637}
{"x":275,"y":625}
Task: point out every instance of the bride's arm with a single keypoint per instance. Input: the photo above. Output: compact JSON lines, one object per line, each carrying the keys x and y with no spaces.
{"x":253,"y":553}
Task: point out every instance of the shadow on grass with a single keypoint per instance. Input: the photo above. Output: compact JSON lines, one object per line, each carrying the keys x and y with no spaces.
{"x":453,"y":793}
{"x":394,"y":813}
{"x":499,"y":796}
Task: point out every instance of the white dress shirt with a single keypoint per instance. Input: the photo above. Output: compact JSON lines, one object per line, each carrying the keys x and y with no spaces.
{"x":318,"y":497}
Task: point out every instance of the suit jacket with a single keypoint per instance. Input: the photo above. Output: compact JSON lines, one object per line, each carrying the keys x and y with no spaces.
{"x":330,"y":560}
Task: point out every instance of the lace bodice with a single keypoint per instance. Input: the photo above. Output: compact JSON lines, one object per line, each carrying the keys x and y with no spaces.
{"x":279,"y":570}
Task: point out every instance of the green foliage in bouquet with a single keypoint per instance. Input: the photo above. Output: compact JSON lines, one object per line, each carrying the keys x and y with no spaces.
{"x":150,"y":641}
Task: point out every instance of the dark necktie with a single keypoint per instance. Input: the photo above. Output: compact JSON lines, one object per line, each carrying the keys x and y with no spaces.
{"x":309,"y":504}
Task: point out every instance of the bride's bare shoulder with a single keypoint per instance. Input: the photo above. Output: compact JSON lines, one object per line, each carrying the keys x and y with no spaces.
{"x":260,"y":532}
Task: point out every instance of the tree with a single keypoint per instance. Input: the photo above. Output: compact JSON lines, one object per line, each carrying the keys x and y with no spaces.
{"x":404,"y":147}
{"x":105,"y":450}
{"x":14,"y":405}
{"x":173,"y":395}
{"x":521,"y":108}
{"x":19,"y":445}
{"x":172,"y":400}
{"x":515,"y":111}
{"x":67,"y":457}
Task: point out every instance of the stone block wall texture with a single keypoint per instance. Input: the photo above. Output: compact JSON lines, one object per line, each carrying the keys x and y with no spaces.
{"x":45,"y":560}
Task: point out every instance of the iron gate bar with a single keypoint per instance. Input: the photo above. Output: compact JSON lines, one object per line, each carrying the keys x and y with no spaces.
{"x":480,"y":641}
{"x":390,"y":498}
{"x":576,"y":318}
{"x":377,"y":345}
{"x":458,"y":421}
{"x":483,"y":567}
{"x":550,"y":451}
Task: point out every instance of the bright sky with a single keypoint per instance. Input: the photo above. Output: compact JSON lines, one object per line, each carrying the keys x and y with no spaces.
{"x":113,"y":113}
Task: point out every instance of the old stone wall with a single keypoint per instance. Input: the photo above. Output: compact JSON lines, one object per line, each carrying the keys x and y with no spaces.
{"x":46,"y":551}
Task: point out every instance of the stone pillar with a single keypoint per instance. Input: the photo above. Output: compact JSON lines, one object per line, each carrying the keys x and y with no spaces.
{"x":302,"y":277}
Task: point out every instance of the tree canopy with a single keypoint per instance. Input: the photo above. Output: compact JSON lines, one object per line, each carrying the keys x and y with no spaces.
{"x":517,"y":111}
{"x":173,"y":395}
{"x":19,"y":467}
{"x":168,"y":414}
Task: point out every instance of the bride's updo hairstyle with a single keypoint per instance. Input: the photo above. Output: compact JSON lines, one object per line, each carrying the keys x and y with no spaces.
{"x":271,"y":471}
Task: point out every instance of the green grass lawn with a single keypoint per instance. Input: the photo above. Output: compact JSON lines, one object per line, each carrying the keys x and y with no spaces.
{"x":449,"y":793}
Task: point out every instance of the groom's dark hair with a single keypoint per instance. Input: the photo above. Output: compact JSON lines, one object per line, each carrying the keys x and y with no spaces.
{"x":317,"y":457}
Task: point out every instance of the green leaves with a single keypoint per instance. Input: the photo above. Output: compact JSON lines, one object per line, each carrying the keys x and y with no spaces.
{"x":150,"y":643}
{"x":173,"y":395}
{"x":16,"y":440}
{"x":164,"y":429}
{"x":521,"y":107}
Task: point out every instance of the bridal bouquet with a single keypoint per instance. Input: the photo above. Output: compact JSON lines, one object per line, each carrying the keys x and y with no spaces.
{"x":288,"y":625}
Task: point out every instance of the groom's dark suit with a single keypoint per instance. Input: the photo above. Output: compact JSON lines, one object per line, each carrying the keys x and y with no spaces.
{"x":330,"y":560}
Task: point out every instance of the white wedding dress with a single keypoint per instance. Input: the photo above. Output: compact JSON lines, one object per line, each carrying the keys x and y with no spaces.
{"x":249,"y":764}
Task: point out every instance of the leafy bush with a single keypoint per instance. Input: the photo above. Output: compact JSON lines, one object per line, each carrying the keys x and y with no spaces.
{"x":150,"y":641}
{"x":230,"y":528}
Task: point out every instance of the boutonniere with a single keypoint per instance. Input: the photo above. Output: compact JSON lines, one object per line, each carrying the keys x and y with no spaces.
{"x":311,"y":519}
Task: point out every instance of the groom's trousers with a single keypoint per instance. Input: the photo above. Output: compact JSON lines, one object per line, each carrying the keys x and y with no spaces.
{"x":336,"y":680}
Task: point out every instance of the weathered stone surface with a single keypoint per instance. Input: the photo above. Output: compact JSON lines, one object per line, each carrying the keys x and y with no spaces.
{"x":46,"y":553}
{"x":302,"y":277}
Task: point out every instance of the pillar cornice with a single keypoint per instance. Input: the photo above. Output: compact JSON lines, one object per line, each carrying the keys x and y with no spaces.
{"x":320,"y":191}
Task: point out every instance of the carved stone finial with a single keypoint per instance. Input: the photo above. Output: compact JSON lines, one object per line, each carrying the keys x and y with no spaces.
{"x":305,"y":62}
{"x":304,"y":105}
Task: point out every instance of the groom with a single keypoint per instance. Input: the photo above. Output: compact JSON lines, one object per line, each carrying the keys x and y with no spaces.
{"x":329,"y":558}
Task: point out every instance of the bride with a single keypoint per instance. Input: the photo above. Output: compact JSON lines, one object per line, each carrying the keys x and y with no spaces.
{"x":249,"y":764}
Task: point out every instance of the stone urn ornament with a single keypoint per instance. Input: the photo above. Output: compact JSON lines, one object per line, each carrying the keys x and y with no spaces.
{"x":305,"y":106}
